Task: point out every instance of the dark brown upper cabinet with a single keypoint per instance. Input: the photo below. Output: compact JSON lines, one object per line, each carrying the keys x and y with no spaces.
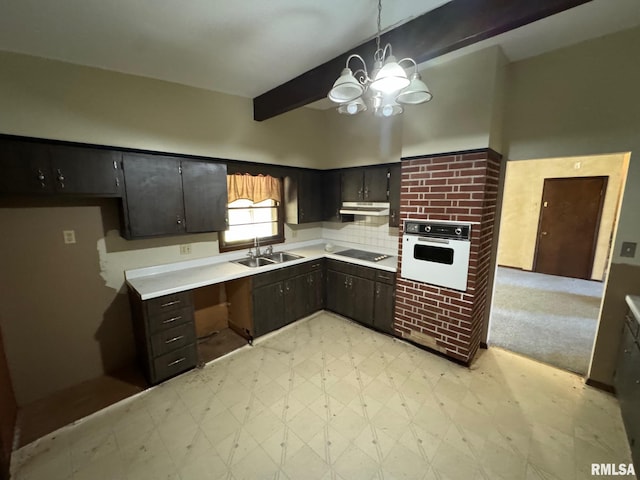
{"x":395,"y":179}
{"x":367,"y":184}
{"x":303,"y":197}
{"x":332,"y":197}
{"x":35,"y":168}
{"x":169,"y":196}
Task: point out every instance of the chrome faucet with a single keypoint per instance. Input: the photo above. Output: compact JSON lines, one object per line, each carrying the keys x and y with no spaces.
{"x":269,"y":250}
{"x":256,"y":244}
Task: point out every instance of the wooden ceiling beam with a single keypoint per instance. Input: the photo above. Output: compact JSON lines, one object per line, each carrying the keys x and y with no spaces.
{"x":450,"y":27}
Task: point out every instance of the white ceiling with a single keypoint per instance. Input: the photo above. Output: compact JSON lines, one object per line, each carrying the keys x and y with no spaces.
{"x":247,"y":47}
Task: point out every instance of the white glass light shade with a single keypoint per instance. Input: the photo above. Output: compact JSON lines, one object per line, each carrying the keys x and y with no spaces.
{"x":417,"y":92}
{"x":353,"y":107}
{"x":391,"y":78}
{"x":346,"y":88}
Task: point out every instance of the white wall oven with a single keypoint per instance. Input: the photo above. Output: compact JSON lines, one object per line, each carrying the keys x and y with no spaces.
{"x":436,"y":253}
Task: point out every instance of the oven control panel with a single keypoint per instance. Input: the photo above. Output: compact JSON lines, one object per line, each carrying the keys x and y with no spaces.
{"x":459,"y":231}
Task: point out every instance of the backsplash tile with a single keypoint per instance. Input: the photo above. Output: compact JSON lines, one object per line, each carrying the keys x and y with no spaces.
{"x":369,"y":231}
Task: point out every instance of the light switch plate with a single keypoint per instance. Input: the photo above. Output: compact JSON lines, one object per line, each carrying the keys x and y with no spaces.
{"x":185,"y":249}
{"x":69,"y":236}
{"x":628,"y":249}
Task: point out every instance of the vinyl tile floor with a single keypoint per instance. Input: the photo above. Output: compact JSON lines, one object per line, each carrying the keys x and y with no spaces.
{"x":328,"y":399}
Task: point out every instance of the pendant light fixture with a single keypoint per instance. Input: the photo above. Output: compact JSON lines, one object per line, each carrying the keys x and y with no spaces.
{"x":386,"y":90}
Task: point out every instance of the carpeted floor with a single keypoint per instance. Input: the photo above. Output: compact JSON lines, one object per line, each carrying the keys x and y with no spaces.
{"x":551,"y":319}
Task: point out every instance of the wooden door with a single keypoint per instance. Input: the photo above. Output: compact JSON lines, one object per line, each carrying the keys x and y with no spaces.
{"x":376,"y":185}
{"x":339,"y":294}
{"x":205,"y":196}
{"x":568,"y":227}
{"x":154,"y":195}
{"x":86,"y":171}
{"x":352,"y":181}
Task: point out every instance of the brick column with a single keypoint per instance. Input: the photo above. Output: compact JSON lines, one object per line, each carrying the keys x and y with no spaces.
{"x":459,"y":187}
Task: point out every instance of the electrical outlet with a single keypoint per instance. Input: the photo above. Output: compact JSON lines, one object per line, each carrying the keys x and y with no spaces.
{"x":185,"y":249}
{"x":628,"y":249}
{"x":69,"y":236}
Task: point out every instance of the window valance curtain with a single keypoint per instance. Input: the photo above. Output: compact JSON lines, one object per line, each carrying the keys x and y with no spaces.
{"x":255,"y":188}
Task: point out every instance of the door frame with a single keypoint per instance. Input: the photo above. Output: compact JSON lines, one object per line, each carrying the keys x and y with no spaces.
{"x":597,"y":228}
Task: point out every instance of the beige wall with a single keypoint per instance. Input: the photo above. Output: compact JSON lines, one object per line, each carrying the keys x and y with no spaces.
{"x":57,"y":100}
{"x":522,"y":194}
{"x":465,"y":110}
{"x":584,"y":100}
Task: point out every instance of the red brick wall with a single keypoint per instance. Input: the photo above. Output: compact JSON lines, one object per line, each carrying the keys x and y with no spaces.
{"x":461,"y":187}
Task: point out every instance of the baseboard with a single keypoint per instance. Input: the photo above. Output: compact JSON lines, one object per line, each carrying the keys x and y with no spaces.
{"x":600,"y":386}
{"x":484,"y":346}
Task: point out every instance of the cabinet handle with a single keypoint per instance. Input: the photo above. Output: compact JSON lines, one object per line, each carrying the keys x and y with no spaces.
{"x":168,"y":304}
{"x":60,"y":178}
{"x":366,"y":192}
{"x":281,"y":291}
{"x":41,"y":178}
{"x":351,"y":283}
{"x":178,"y":220}
{"x":346,"y":282}
{"x":360,"y":193}
{"x":377,"y":290}
{"x":287,"y":287}
{"x":174,"y":339}
{"x":176,"y":362}
{"x":117,"y":183}
{"x":337,"y":212}
{"x":172,"y":319}
{"x":311,"y":280}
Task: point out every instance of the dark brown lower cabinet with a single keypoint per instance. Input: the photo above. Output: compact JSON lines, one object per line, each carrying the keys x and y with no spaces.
{"x":363,"y":294}
{"x":286,"y":295}
{"x":627,"y":383}
{"x":165,"y":334}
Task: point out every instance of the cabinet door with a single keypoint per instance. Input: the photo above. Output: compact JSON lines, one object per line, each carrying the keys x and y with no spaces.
{"x":268,"y":308}
{"x":332,"y":197}
{"x":376,"y":185}
{"x":352,"y":186}
{"x":205,"y":196}
{"x":25,"y":168}
{"x":86,"y":171}
{"x":338,"y":293}
{"x":383,"y":307}
{"x":361,"y":299}
{"x":310,"y":201}
{"x":154,"y":203}
{"x":395,"y":179}
{"x":316,"y":291}
{"x":627,"y":383}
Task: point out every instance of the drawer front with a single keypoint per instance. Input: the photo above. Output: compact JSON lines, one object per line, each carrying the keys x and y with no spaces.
{"x":172,"y":363}
{"x":385,"y":277}
{"x":173,"y":338}
{"x":168,"y":303}
{"x":352,"y":269}
{"x":173,"y":318}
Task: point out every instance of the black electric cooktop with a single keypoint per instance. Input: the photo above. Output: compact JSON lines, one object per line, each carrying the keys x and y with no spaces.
{"x":362,"y":255}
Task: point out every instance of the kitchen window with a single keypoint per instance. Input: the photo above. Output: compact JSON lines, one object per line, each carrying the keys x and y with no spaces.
{"x":254,"y":211}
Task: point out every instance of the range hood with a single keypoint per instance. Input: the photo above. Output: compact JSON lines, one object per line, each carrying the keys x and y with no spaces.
{"x":372,"y":209}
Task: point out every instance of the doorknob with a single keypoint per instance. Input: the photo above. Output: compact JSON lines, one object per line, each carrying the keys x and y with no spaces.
{"x":544,"y":233}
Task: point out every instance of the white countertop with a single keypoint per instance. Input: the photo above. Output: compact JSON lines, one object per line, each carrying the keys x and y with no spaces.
{"x":156,"y":281}
{"x":634,"y":305}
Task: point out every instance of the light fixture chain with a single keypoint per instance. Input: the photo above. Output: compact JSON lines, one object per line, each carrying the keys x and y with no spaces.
{"x":379,"y":25}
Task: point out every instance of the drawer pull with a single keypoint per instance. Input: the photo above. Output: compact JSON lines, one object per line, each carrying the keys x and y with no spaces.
{"x":168,"y":304}
{"x":176,"y":362}
{"x":316,"y":265}
{"x":174,"y":339}
{"x":172,"y":319}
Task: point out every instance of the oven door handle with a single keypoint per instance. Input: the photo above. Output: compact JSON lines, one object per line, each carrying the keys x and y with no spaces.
{"x":442,"y":241}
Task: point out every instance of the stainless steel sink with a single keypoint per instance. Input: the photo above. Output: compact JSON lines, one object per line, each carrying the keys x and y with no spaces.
{"x":279,"y":257}
{"x":255,"y":262}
